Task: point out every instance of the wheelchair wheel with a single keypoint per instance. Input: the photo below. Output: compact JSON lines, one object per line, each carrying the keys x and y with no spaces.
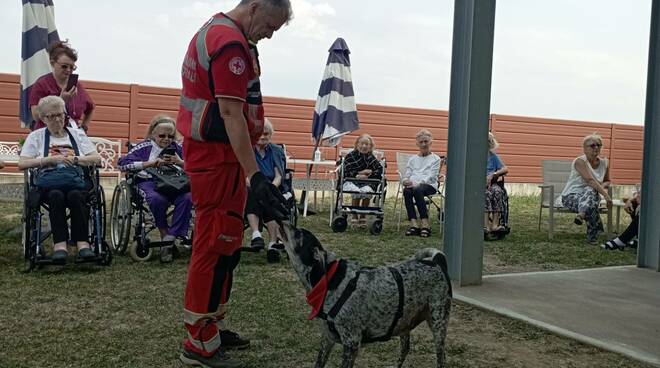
{"x":121,"y":211}
{"x":140,"y":251}
{"x":376,"y":227}
{"x":29,"y":245}
{"x":102,"y":206}
{"x":339,"y":224}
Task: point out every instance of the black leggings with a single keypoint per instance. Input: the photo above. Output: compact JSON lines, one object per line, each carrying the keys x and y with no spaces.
{"x":631,"y":231}
{"x":75,"y":200}
{"x":419,"y":194}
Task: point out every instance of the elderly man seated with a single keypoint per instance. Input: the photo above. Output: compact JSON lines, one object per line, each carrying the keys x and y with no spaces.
{"x":272,"y":163}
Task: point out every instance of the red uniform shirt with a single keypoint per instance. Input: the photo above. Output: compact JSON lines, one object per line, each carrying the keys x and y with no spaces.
{"x":231,"y":70}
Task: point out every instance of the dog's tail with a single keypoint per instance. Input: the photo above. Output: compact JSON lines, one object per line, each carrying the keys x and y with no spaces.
{"x":434,"y":257}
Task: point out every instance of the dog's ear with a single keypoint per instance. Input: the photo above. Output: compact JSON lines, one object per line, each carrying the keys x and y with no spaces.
{"x":310,"y":240}
{"x":303,"y":247}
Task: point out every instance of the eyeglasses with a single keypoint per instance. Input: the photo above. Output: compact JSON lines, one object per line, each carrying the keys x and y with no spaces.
{"x":595,"y":145}
{"x":59,"y":115}
{"x":65,"y":66}
{"x":163,"y":136}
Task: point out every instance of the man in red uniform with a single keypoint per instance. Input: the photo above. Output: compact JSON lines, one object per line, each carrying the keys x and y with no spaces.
{"x":221,"y":117}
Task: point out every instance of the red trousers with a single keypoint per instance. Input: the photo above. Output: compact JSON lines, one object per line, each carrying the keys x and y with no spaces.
{"x":219,"y":199}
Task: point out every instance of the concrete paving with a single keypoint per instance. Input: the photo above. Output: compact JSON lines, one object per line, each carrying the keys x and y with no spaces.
{"x":615,"y":308}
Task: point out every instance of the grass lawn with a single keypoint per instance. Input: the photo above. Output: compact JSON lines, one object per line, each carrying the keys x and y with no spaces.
{"x":130,"y":314}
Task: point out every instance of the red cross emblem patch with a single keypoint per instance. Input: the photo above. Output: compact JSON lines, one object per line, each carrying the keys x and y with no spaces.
{"x":237,"y":65}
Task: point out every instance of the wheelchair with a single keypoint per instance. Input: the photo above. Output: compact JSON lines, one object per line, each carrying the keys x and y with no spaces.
{"x":34,"y":237}
{"x":504,"y":218}
{"x":377,"y":209}
{"x":130,"y":210}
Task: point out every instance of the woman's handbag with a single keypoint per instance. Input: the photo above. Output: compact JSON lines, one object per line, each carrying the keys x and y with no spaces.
{"x":60,"y":177}
{"x":170,"y":181}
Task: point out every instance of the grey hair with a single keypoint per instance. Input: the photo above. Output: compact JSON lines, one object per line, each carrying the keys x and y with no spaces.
{"x":282,"y":5}
{"x":593,"y":137}
{"x":424,"y":133}
{"x":48,"y":102}
{"x":268,"y":126}
{"x":492,"y":142}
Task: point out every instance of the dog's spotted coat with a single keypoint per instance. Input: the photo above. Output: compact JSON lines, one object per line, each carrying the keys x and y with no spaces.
{"x":368,"y":313}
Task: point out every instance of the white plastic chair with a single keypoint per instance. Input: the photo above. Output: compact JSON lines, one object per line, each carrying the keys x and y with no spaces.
{"x":401,"y":163}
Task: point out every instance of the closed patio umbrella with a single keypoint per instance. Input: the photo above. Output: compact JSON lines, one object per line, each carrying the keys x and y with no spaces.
{"x":335,"y":114}
{"x":38,"y":32}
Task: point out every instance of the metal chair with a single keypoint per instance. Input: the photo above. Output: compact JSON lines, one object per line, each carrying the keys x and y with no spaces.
{"x":555,"y":176}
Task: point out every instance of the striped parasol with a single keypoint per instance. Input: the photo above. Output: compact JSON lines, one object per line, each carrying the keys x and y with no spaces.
{"x":38,"y":32}
{"x":335,"y":114}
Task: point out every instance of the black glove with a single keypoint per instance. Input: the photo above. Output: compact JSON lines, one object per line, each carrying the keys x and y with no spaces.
{"x":268,"y":197}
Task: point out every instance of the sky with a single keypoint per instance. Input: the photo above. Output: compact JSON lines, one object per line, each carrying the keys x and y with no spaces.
{"x":565,"y":59}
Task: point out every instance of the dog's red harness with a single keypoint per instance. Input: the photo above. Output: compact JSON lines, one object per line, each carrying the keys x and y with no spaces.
{"x":316,"y":296}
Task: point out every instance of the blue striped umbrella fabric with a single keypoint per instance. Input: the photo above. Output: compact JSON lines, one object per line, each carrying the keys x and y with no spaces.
{"x":38,"y":32}
{"x":335,"y":113}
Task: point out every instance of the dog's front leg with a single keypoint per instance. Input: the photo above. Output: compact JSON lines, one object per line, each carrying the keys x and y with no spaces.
{"x":349,"y":355}
{"x":405,"y":348}
{"x":327,"y":343}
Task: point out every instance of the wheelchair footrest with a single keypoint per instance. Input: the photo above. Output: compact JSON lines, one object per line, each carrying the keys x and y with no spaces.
{"x":95,"y":259}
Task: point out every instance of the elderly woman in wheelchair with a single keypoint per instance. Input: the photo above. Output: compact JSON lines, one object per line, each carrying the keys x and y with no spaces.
{"x":361,"y":164}
{"x":160,"y":151}
{"x":54,"y":156}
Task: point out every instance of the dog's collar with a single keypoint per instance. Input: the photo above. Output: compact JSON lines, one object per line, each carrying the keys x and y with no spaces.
{"x":316,"y":296}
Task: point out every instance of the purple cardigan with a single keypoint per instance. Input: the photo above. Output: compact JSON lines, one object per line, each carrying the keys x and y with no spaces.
{"x":140,"y":153}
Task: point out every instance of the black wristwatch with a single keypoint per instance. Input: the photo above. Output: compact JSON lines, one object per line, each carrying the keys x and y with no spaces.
{"x":75,"y":160}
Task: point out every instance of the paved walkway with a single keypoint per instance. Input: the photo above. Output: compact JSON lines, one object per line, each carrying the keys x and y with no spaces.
{"x":615,"y":308}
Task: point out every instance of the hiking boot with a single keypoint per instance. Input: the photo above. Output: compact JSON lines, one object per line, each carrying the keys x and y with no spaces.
{"x":217,"y":360}
{"x":232,"y":340}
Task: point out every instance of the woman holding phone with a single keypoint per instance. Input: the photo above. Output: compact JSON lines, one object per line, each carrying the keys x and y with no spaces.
{"x":160,"y":149}
{"x":62,"y":82}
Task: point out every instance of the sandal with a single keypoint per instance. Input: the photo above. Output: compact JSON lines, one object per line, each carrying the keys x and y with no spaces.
{"x":611,"y":245}
{"x":412,"y":231}
{"x":578,"y":220}
{"x":425,"y":232}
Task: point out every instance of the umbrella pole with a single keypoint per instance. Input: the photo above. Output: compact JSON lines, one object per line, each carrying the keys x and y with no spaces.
{"x":303,"y":195}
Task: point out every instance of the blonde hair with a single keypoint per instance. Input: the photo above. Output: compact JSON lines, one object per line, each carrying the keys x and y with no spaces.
{"x":593,"y":137}
{"x":492,"y":142}
{"x":161,"y":119}
{"x":424,"y":133}
{"x":365,"y":135}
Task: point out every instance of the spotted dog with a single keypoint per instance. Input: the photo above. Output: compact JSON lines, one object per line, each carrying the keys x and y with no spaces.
{"x":357,"y":304}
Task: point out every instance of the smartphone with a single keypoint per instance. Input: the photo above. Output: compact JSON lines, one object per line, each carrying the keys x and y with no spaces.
{"x":168,"y":151}
{"x":73,"y":80}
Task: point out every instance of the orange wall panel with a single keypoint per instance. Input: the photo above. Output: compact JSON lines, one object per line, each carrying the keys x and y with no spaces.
{"x":124,"y":110}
